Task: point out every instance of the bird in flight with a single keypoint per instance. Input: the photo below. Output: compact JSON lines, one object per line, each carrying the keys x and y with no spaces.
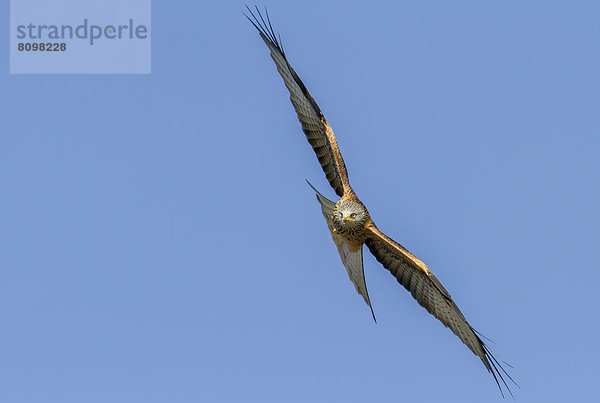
{"x":351,"y":225}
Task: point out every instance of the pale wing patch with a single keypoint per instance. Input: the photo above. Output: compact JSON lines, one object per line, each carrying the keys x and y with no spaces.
{"x":352,"y":260}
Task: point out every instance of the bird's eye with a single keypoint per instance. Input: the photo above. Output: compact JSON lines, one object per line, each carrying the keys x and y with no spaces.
{"x":353,"y":215}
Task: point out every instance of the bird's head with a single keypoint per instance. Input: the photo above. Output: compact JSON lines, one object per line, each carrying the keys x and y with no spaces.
{"x":350,"y":214}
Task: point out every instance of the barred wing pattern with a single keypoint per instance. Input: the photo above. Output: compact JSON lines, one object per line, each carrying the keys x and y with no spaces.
{"x":427,"y":290}
{"x":315,"y":126}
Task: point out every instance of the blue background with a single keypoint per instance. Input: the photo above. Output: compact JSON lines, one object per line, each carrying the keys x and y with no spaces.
{"x":158,"y":241}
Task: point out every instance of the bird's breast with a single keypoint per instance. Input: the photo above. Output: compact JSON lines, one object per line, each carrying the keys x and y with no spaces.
{"x":351,"y":232}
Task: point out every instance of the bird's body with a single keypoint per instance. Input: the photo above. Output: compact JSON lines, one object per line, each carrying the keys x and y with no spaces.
{"x":351,"y":225}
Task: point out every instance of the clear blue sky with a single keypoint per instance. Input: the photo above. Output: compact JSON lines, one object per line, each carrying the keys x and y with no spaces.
{"x":158,"y":242}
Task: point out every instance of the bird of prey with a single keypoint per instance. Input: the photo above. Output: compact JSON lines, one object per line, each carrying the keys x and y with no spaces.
{"x":350,"y":224}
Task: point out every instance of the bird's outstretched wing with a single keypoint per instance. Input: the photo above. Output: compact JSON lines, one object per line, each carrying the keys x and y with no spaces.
{"x":351,"y":255}
{"x":315,"y":126}
{"x":416,"y":277}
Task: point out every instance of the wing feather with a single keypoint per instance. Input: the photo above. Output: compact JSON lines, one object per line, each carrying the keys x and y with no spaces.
{"x":314,"y":125}
{"x":352,"y":257}
{"x":427,"y":290}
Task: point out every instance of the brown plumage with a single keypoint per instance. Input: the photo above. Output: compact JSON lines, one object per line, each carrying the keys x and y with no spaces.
{"x":350,"y":223}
